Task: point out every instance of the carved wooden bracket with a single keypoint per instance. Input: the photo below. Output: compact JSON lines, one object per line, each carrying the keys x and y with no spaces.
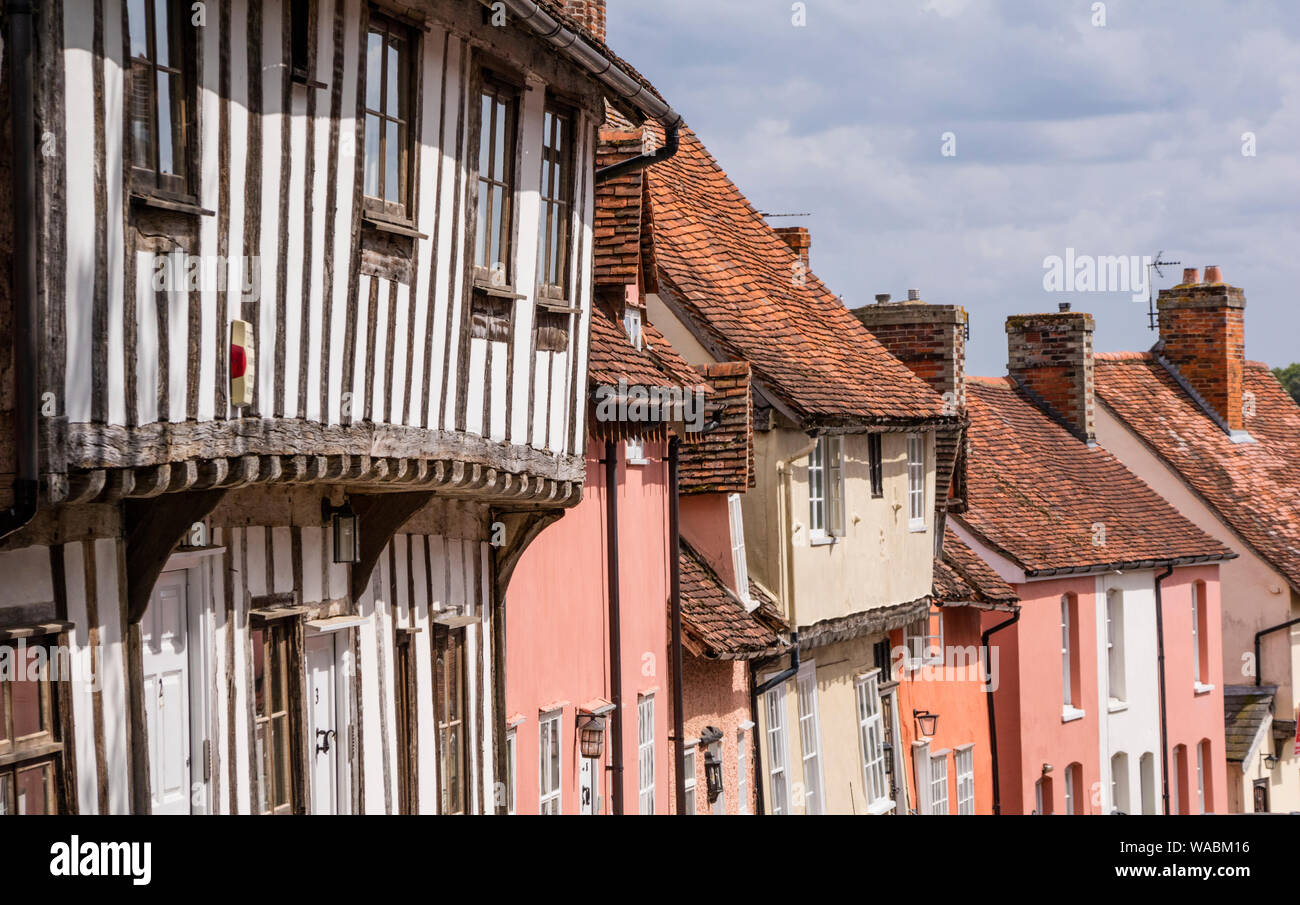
{"x":153,"y":528}
{"x":379,"y":515}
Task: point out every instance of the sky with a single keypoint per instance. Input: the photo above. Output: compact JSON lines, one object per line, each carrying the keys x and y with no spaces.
{"x":954,"y":146}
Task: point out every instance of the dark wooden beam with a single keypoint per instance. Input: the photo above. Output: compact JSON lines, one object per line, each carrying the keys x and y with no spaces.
{"x":379,"y":515}
{"x":153,"y":528}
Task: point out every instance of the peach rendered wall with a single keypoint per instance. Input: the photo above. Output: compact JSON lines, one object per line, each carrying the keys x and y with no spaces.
{"x":955,"y":692}
{"x":716,"y":693}
{"x":1029,"y":698}
{"x":557,"y":648}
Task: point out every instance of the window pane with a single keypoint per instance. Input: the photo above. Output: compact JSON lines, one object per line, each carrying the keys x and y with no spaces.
{"x":392,"y":107}
{"x":372,"y":156}
{"x":277,"y":673}
{"x":6,"y":788}
{"x":280,"y":744}
{"x":482,"y":251}
{"x":258,"y":641}
{"x":142,"y":115}
{"x":392,"y":148}
{"x":555,"y":756}
{"x":162,"y":33}
{"x":485,"y":138}
{"x":499,"y":151}
{"x":374,"y":69}
{"x":35,"y":789}
{"x":166,"y":137}
{"x":139,"y":35}
{"x":494,"y":252}
{"x":28,"y":715}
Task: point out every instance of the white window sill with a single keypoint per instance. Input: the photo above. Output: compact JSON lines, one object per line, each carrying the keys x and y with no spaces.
{"x":1116,"y":706}
{"x":821,"y":540}
{"x":1070,"y":714}
{"x":1198,"y":688}
{"x":881,"y":807}
{"x":638,"y":461}
{"x":916,"y":525}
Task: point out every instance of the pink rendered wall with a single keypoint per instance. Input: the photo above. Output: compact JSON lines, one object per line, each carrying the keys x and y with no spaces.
{"x":706,"y":527}
{"x":1194,"y":717}
{"x":557,"y":632}
{"x":1029,"y":696}
{"x":716,"y":693}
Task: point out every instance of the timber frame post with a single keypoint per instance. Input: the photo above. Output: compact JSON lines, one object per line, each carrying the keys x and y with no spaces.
{"x":152,"y":528}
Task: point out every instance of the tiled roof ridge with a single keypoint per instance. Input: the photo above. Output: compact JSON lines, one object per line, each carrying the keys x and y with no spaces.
{"x":1122,"y":356}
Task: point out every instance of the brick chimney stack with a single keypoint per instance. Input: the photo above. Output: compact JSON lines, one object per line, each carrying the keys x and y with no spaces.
{"x":1203,"y":335}
{"x":1050,"y":355}
{"x":588,"y":13}
{"x":929,"y":339}
{"x":799,"y":239}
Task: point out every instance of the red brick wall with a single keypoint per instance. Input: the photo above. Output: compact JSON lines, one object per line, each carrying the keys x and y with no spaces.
{"x":929,"y":339}
{"x":1052,"y":355}
{"x":589,"y":14}
{"x":1204,"y":334}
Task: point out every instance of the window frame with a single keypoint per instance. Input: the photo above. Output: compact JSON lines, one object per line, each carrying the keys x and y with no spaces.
{"x":46,"y":749}
{"x":563,"y":161}
{"x":1119,"y":783}
{"x":148,"y":180}
{"x":512,"y":772}
{"x":778,"y":743}
{"x":688,"y":778}
{"x":931,"y":652}
{"x":400,"y":210}
{"x":916,"y":520}
{"x":938,"y":782}
{"x":871,"y":729}
{"x":494,"y":86}
{"x":280,"y":651}
{"x":742,"y":772}
{"x":1115,"y":665}
{"x":964,"y":766}
{"x":739,"y":563}
{"x":446,"y":641}
{"x":876,"y":464}
{"x":645,"y":753}
{"x":810,"y":739}
{"x":826,"y":489}
{"x":550,"y":788}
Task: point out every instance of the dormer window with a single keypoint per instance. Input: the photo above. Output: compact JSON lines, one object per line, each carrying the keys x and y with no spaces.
{"x":632,"y":324}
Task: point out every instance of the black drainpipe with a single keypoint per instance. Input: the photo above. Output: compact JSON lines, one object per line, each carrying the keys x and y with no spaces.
{"x":756,"y":689}
{"x":26,"y":353}
{"x":615,"y":640}
{"x":641,"y":161}
{"x":675,"y":608}
{"x":988,"y":700}
{"x":1164,"y":716}
{"x":1260,"y":634}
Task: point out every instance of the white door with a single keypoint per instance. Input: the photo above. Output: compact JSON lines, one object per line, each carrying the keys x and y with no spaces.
{"x":167,"y":694}
{"x":327,"y":735}
{"x":588,"y":786}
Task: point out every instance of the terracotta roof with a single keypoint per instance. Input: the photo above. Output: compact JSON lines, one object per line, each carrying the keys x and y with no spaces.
{"x":1254,"y":487}
{"x":1245,"y":708}
{"x":740,"y":285}
{"x":714,"y":619}
{"x":722,"y":461}
{"x":617,"y":232}
{"x":612,"y":356}
{"x":960,"y":576}
{"x":1053,"y":504}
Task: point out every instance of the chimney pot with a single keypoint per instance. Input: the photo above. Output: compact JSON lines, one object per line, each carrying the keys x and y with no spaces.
{"x":882,"y":298}
{"x":1063,"y":306}
{"x":913,"y":295}
{"x":1213,"y":274}
{"x":1191,"y":276}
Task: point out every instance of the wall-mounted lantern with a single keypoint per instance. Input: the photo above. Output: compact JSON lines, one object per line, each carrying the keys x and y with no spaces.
{"x":1270,"y":761}
{"x":713,"y":775}
{"x":344,"y":526}
{"x":928,"y":722}
{"x":591,"y":737}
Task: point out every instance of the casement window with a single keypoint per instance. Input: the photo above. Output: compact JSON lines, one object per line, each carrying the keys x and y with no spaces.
{"x":556,"y":203}
{"x":390,"y":49}
{"x":871,"y":740}
{"x":632,"y":326}
{"x":1115,"y":643}
{"x":634,"y":451}
{"x":1073,"y":786}
{"x":924,"y":640}
{"x":512,"y":770}
{"x":449,"y":712}
{"x":1070,"y":698}
{"x":1203,"y":792}
{"x":645,"y":752}
{"x":964,"y":759}
{"x":1147,"y":776}
{"x":32,"y":777}
{"x":405,"y":695}
{"x":549,"y":787}
{"x":160,"y":95}
{"x":778,"y":751}
{"x":939,"y":782}
{"x":810,"y":739}
{"x":876,"y":464}
{"x":916,"y":482}
{"x":276,"y":717}
{"x":742,"y":772}
{"x":826,"y":489}
{"x":1200,"y":637}
{"x":1119,"y":782}
{"x":499,"y":106}
{"x":688,"y":778}
{"x":1178,"y":788}
{"x":736,"y":519}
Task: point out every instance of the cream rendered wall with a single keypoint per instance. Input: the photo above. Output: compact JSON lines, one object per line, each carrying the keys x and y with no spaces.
{"x":1255,"y":596}
{"x":1133,"y":725}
